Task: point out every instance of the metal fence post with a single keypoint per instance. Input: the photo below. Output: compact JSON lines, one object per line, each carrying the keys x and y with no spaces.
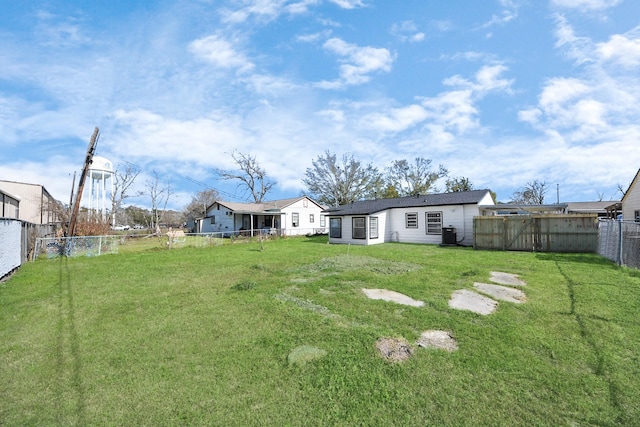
{"x":620,"y":246}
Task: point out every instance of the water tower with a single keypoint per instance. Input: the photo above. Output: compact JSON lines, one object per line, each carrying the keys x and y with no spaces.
{"x":99,"y":173}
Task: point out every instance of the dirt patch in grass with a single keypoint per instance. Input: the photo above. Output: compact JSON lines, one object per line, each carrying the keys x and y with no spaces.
{"x":304,"y":354}
{"x":394,"y":349}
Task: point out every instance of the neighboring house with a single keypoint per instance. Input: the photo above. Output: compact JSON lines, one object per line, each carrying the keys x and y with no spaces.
{"x":631,"y":200}
{"x":37,"y":206}
{"x":10,"y":208}
{"x":296,"y":216}
{"x":601,"y":209}
{"x":434,"y":218}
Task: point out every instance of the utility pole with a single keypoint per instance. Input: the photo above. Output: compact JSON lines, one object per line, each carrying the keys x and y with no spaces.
{"x":87,"y":163}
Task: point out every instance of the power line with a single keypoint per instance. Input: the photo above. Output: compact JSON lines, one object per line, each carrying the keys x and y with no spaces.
{"x":209,"y":187}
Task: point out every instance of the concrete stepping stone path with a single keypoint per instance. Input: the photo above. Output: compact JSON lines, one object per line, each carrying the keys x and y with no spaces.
{"x":506,"y":279}
{"x":465,"y":299}
{"x":393,"y":296}
{"x":502,"y":293}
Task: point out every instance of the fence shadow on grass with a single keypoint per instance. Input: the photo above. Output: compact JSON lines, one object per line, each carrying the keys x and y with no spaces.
{"x":592,"y":259}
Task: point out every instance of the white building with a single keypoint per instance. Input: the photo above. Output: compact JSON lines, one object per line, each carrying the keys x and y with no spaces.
{"x":434,"y":218}
{"x":291,"y":217}
{"x":631,"y":200}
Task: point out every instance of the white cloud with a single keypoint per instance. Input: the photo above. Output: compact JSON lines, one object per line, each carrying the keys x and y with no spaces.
{"x":397,"y":119}
{"x":358,"y":63}
{"x":622,"y":50}
{"x":268,"y":10}
{"x":220,"y":53}
{"x":487,"y":79}
{"x":586,"y":5}
{"x":407,"y":31}
{"x":348,"y":4}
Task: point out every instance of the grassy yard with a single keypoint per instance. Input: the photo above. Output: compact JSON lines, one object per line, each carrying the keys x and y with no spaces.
{"x":202,"y":336}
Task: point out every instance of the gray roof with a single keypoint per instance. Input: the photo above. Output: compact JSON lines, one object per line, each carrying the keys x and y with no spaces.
{"x":270,"y":207}
{"x":366,"y":207}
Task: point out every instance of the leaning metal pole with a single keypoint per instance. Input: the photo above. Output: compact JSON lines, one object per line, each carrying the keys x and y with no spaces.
{"x":87,"y":163}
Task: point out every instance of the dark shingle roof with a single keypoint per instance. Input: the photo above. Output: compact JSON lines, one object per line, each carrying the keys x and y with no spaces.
{"x":366,"y":207}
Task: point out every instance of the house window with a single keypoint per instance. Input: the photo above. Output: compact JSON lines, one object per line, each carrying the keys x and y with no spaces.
{"x":335,"y":227}
{"x":636,"y":214}
{"x":311,"y":218}
{"x":323,"y":221}
{"x":295,"y":219}
{"x":411,"y":219}
{"x":434,"y":222}
{"x":359,"y":228}
{"x":305,"y":203}
{"x":373,"y":227}
{"x":213,"y":220}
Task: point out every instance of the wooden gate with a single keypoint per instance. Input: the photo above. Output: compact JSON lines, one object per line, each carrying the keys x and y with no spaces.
{"x":537,"y":232}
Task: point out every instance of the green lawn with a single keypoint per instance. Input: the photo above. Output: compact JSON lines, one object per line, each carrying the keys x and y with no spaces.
{"x":202,"y":336}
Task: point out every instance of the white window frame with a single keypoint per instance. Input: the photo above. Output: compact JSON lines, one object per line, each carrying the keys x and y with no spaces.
{"x":311,"y":218}
{"x":295,"y":219}
{"x":359,"y":223}
{"x":373,"y":227}
{"x":323,"y":221}
{"x":433,"y":221}
{"x":411,"y":220}
{"x":332,"y":229}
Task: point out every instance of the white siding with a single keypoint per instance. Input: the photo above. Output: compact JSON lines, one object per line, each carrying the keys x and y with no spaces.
{"x":347,"y":230}
{"x":305,"y":226}
{"x":392,"y":225}
{"x":631,"y":201}
{"x":32,"y":206}
{"x":223,"y":220}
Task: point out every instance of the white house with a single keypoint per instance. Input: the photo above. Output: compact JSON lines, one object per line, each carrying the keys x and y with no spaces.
{"x":291,"y":217}
{"x":631,"y":200}
{"x":434,"y":218}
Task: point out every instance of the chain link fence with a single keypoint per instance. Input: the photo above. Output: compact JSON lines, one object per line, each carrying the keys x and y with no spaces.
{"x":52,"y":247}
{"x":619,"y":241}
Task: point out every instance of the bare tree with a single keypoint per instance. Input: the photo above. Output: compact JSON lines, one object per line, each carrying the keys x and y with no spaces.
{"x":250,"y":174}
{"x":336,"y":182}
{"x":124,"y":177}
{"x":531,"y":194}
{"x":159,"y":195}
{"x":197,"y":208}
{"x":455,"y":185}
{"x":411,"y":179}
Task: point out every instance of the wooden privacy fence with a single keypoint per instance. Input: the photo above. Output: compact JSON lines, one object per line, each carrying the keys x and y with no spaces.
{"x":537,"y":233}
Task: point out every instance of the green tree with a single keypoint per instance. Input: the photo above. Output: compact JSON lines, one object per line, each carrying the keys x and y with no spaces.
{"x":335,"y":182}
{"x":459,"y":184}
{"x":411,"y":179}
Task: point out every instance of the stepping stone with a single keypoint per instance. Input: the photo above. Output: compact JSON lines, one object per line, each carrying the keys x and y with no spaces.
{"x":502,"y":293}
{"x":393,"y":296}
{"x":441,"y":340}
{"x":464,"y":299}
{"x":506,"y":279}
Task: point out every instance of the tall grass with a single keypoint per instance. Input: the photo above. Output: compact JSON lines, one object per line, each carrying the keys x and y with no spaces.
{"x":203,"y":336}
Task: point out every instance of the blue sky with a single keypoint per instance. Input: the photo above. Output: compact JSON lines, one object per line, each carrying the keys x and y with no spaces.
{"x":500,"y":91}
